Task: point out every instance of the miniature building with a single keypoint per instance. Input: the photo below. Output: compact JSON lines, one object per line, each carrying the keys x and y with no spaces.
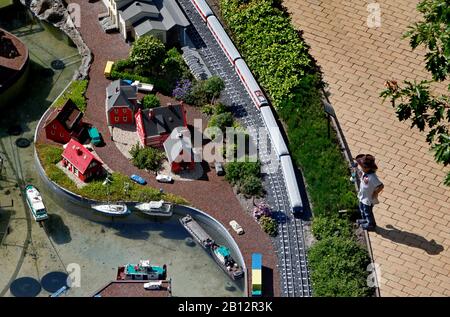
{"x":121,"y":101}
{"x":155,"y":125}
{"x":133,"y":289}
{"x":160,"y":18}
{"x":64,"y":123}
{"x":78,"y":160}
{"x":178,"y":147}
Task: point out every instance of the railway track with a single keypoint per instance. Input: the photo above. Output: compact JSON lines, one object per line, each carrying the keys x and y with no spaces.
{"x":293,"y":264}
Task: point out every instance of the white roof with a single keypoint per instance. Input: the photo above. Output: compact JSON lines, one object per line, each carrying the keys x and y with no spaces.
{"x":156,"y":204}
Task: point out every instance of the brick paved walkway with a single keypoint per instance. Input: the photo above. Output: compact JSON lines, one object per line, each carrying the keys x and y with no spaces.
{"x":412,"y":243}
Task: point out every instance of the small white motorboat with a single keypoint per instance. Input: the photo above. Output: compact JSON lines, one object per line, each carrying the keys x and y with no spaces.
{"x":156,"y":208}
{"x":112,"y":209}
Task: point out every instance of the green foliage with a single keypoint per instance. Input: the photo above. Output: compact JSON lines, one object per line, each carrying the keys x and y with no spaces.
{"x":281,"y":60}
{"x":414,"y":101}
{"x":150,"y":101}
{"x":269,"y":225}
{"x":331,"y":226}
{"x":174,"y":65}
{"x":222,"y":120}
{"x":250,"y":186}
{"x":75,"y":91}
{"x":148,"y":52}
{"x":49,"y":155}
{"x":338,"y":268}
{"x":147,"y":157}
{"x":205,"y":91}
{"x":235,"y":171}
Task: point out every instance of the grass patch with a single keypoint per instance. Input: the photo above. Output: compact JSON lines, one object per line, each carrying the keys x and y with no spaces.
{"x":49,"y":155}
{"x":76,"y":91}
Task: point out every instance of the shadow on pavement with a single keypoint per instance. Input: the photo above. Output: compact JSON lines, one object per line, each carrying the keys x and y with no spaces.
{"x":410,"y":239}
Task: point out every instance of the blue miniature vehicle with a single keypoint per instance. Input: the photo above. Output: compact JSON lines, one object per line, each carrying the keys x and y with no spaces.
{"x":96,"y":139}
{"x":138,"y":179}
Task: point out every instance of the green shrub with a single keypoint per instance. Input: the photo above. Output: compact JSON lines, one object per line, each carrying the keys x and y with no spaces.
{"x":338,"y":268}
{"x":235,"y":171}
{"x":208,"y":109}
{"x":147,"y":157}
{"x":250,"y":186}
{"x":222,"y":120}
{"x":269,"y":225}
{"x":150,"y":101}
{"x":205,"y":91}
{"x":331,"y":226}
{"x":148,"y":52}
{"x":75,"y":91}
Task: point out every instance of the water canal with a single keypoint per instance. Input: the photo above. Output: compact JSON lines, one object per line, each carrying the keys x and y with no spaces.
{"x":73,"y":234}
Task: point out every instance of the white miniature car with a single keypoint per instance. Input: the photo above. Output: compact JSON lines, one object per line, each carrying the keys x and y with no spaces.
{"x":142,"y":86}
{"x":153,"y":285}
{"x":236,"y":227}
{"x":162,"y":178}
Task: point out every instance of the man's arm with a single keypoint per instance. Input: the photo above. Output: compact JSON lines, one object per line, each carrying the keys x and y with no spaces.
{"x":377,"y":190}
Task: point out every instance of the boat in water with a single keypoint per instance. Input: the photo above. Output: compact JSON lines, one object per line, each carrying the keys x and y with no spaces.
{"x":35,"y":203}
{"x":220,"y":254}
{"x":142,"y":271}
{"x":155,"y":208}
{"x":112,"y":209}
{"x":197,"y":232}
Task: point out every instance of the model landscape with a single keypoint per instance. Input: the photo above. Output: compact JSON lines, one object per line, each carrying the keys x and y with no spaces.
{"x":155,"y":148}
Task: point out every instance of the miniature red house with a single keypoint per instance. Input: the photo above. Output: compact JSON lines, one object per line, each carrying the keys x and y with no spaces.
{"x":64,"y":123}
{"x":155,"y":125}
{"x":178,"y":147}
{"x":82,"y":163}
{"x":121,"y":102}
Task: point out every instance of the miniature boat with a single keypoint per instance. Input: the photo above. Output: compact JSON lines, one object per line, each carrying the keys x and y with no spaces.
{"x":142,"y":271}
{"x":153,"y":285}
{"x":35,"y":203}
{"x":197,"y":232}
{"x":222,"y":256}
{"x":112,"y":209}
{"x":156,"y":208}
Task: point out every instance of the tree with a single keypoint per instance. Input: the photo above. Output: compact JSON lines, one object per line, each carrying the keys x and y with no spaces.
{"x":213,"y":87}
{"x":269,"y":225}
{"x":251,"y":186}
{"x":414,"y":100}
{"x":148,"y":52}
{"x":150,"y":101}
{"x":147,"y":157}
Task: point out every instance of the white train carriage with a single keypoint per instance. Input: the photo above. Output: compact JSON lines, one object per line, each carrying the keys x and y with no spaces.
{"x":223,"y":39}
{"x":250,"y":83}
{"x":274,"y":131}
{"x":202,"y":8}
{"x":291,"y":184}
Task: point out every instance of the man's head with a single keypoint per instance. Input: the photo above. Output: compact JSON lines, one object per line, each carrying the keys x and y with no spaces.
{"x":367,"y":162}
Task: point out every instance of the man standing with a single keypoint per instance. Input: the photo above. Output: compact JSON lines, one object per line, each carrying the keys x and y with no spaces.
{"x":369,"y":189}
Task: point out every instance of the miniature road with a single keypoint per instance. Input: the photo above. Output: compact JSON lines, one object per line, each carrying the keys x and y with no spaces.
{"x":290,"y":241}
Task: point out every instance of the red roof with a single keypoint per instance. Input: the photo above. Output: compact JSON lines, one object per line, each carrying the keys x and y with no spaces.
{"x":79,"y":156}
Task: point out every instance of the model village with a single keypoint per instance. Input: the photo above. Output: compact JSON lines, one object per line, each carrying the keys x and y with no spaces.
{"x":122,"y":139}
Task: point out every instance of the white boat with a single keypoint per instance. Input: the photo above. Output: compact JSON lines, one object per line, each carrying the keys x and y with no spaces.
{"x":35,"y":203}
{"x":112,"y":209}
{"x":156,"y":208}
{"x":153,"y":285}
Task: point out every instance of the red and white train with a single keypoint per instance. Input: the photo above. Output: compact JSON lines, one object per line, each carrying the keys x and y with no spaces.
{"x":258,"y":98}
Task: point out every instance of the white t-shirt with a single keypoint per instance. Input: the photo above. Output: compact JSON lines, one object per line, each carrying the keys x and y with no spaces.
{"x":369,"y":182}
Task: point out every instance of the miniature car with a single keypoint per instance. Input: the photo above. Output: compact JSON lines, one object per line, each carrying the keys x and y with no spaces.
{"x":162,"y":178}
{"x":96,"y":139}
{"x":236,"y":227}
{"x":142,"y":86}
{"x":138,"y":179}
{"x":219,"y":169}
{"x":153,"y":285}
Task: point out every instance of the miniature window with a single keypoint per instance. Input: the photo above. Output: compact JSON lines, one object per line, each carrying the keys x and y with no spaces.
{"x":125,"y":119}
{"x":117,"y":119}
{"x":124,"y":110}
{"x":116,"y":111}
{"x":61,"y":134}
{"x":52,"y":132}
{"x":54,"y":126}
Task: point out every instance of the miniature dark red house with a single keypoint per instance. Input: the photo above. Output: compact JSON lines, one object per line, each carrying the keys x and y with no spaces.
{"x":64,"y":123}
{"x":121,"y":102}
{"x":155,"y":125}
{"x":79,"y":161}
{"x":178,"y":148}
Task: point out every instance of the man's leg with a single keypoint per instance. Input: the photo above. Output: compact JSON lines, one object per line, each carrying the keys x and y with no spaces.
{"x":368,"y":215}
{"x":363,"y":219}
